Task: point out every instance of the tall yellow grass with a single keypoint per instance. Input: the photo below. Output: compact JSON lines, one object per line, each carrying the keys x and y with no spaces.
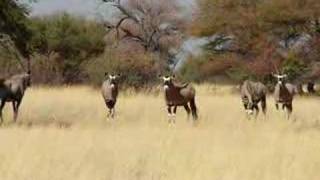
{"x":63,"y":133}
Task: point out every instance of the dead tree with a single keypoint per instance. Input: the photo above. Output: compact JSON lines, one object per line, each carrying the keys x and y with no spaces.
{"x":154,"y":24}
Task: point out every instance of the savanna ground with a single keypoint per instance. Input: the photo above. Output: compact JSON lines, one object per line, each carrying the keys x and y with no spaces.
{"x":63,"y":133}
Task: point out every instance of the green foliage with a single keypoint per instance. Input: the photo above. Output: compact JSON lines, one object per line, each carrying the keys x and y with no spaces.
{"x":68,"y":49}
{"x":14,"y":23}
{"x":254,"y":16}
{"x":294,"y":67}
{"x":191,"y":70}
{"x":207,"y":66}
{"x":137,"y":69}
{"x":8,"y":64}
{"x":239,"y":74}
{"x":258,"y":26}
{"x":46,"y":69}
{"x":73,"y":39}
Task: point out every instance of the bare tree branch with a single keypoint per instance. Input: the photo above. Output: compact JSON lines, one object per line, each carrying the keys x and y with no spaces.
{"x":145,"y":18}
{"x":119,"y":24}
{"x":132,"y":36}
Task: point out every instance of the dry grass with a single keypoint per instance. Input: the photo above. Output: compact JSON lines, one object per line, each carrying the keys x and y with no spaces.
{"x":63,"y":134}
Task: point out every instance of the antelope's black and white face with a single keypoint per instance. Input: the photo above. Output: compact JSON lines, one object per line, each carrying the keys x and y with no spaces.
{"x":280,"y":78}
{"x":167,"y":82}
{"x":113,"y":78}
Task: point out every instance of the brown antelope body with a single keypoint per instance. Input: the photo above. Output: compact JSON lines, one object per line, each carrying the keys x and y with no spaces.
{"x":12,"y":90}
{"x":179,"y":95}
{"x":110,"y":92}
{"x":253,"y":93}
{"x":284,"y":93}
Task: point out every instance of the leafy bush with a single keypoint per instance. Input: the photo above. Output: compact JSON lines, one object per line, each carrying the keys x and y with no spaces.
{"x":74,"y":42}
{"x":294,"y":67}
{"x":258,"y":27}
{"x":8,"y":63}
{"x":190,"y":71}
{"x":46,"y":69}
{"x":206,"y":67}
{"x":137,"y":69}
{"x":14,"y":23}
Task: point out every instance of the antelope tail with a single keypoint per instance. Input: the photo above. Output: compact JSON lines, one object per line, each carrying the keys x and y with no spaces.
{"x":194,"y":109}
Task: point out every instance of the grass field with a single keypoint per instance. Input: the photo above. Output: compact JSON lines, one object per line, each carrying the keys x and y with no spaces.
{"x":63,"y":134}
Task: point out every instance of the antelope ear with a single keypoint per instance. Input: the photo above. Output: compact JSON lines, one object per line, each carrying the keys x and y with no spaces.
{"x":106,"y":74}
{"x":160,"y":76}
{"x":119,"y":75}
{"x":173,"y":76}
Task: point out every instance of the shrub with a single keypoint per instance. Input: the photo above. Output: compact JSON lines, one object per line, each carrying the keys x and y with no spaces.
{"x":46,"y":69}
{"x":294,"y":67}
{"x":206,"y":67}
{"x":138,"y":70}
{"x":74,"y":42}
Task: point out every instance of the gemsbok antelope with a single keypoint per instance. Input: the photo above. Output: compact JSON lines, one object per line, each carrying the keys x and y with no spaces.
{"x":110,"y":92}
{"x":284,"y":93}
{"x":179,"y":95}
{"x":12,"y":90}
{"x":253,"y":93}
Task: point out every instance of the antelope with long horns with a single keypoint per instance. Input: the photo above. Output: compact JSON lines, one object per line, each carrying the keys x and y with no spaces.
{"x":284,"y":93}
{"x":110,"y":92}
{"x":179,"y":95}
{"x":13,"y":90}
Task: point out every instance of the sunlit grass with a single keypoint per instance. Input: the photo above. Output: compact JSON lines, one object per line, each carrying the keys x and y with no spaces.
{"x":64,"y":133}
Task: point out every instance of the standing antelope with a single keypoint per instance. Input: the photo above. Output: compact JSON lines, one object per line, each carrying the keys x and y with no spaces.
{"x":179,"y":95}
{"x":284,"y":93}
{"x":12,"y":90}
{"x":251,"y":94}
{"x":110,"y":92}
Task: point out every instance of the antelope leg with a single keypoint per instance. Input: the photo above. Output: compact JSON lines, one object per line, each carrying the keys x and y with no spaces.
{"x":174,"y":110}
{"x":109,"y":113}
{"x":256,"y":108}
{"x":3,"y":102}
{"x":186,"y":107}
{"x":16,"y":105}
{"x":113,"y":111}
{"x":169,"y":113}
{"x":289,"y":110}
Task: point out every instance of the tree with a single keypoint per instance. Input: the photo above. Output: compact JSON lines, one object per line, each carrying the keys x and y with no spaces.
{"x":14,"y":31}
{"x":155,"y":25}
{"x":257,"y":27}
{"x":73,"y":41}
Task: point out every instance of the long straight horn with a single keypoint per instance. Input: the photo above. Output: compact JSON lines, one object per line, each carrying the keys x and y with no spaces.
{"x":275,"y":68}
